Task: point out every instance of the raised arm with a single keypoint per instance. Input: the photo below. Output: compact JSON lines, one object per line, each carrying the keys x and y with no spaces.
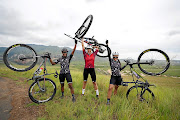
{"x":74,"y":48}
{"x":97,"y":47}
{"x":109,"y":55}
{"x":83,"y":44}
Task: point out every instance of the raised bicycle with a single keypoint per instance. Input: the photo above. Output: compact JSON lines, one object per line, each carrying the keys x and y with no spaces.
{"x":80,"y":33}
{"x":152,"y":62}
{"x":21,"y":57}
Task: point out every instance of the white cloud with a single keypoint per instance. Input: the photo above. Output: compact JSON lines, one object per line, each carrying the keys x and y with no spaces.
{"x":130,"y":25}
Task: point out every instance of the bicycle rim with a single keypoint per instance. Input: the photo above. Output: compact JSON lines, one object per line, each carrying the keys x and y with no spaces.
{"x":138,"y":93}
{"x":159,"y":59}
{"x":103,"y":50}
{"x":84,"y":27}
{"x":40,"y":92}
{"x":13,"y":57}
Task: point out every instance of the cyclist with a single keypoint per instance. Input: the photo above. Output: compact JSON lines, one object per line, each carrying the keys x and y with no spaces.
{"x":65,"y":72}
{"x":89,"y":58}
{"x":116,"y":79}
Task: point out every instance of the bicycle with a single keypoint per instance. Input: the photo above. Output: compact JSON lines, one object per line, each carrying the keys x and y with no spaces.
{"x":80,"y":33}
{"x":21,"y":57}
{"x":152,"y":62}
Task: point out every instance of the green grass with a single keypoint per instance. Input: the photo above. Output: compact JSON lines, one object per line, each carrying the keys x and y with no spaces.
{"x":165,"y":107}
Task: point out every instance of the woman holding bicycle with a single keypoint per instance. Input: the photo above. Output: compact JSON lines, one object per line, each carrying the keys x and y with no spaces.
{"x":89,"y":58}
{"x":116,"y":79}
{"x":65,"y":72}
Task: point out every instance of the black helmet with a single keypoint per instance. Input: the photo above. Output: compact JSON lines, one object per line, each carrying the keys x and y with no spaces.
{"x":64,"y":50}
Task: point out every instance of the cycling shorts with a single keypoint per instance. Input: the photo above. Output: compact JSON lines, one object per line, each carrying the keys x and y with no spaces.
{"x":90,"y":71}
{"x":116,"y":80}
{"x":63,"y":76}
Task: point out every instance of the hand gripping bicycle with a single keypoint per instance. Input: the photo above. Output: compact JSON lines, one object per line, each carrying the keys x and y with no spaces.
{"x":80,"y":33}
{"x":21,"y":57}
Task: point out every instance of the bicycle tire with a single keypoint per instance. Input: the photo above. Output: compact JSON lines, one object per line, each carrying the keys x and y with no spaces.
{"x":149,"y":97}
{"x":32,"y":97}
{"x":11,"y":57}
{"x":99,"y":54}
{"x":160,"y":61}
{"x":84,"y":27}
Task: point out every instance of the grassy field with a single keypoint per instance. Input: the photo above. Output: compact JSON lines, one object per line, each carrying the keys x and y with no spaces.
{"x":165,"y":107}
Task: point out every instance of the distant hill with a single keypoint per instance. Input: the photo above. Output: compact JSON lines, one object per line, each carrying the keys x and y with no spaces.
{"x":55,"y":52}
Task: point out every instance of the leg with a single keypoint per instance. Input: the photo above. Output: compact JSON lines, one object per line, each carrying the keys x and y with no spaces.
{"x":117,"y":83}
{"x":115,"y":90}
{"x":93,"y":77}
{"x":111,"y":86}
{"x":69,"y":80}
{"x":62,"y":87}
{"x":71,"y":88}
{"x":62,"y":78}
{"x":85,"y":76}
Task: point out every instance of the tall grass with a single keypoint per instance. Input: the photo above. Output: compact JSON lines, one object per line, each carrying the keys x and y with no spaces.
{"x":165,"y":107}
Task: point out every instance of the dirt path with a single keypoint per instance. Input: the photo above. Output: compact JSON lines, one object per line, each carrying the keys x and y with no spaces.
{"x":14,"y":101}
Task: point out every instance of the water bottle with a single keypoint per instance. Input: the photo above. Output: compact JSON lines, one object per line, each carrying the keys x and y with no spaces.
{"x":136,"y":75}
{"x":39,"y":71}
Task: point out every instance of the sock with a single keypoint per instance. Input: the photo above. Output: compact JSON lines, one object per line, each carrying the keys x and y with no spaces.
{"x":62,"y":93}
{"x":83,"y":90}
{"x":97,"y":92}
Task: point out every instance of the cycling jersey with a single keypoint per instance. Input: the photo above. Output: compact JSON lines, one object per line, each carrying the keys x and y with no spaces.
{"x":64,"y":62}
{"x":115,"y":67}
{"x":89,"y":59}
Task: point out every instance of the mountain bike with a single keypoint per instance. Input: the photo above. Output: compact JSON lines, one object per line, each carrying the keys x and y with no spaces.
{"x":80,"y":33}
{"x":21,"y":57}
{"x":152,"y":62}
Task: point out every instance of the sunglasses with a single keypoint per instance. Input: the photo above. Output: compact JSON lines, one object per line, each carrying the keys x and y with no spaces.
{"x":115,"y":57}
{"x":64,"y":52}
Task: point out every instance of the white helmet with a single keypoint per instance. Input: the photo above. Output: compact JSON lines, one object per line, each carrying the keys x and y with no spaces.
{"x":89,"y":47}
{"x":115,"y":53}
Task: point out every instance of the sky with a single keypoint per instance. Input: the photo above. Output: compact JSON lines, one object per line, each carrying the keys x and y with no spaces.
{"x":131,"y":26}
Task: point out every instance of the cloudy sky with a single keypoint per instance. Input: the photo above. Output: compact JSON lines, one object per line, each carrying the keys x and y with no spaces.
{"x":131,"y":26}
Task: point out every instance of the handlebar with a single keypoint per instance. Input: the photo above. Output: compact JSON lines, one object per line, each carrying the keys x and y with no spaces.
{"x":129,"y":63}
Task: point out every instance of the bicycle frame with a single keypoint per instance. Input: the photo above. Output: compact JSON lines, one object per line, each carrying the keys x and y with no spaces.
{"x":138,"y":76}
{"x":36,"y":77}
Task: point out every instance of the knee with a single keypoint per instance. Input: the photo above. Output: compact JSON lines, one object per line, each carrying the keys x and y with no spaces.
{"x":116,"y":87}
{"x":94,"y":83}
{"x":110,"y":87}
{"x":70,"y":86}
{"x":62,"y":84}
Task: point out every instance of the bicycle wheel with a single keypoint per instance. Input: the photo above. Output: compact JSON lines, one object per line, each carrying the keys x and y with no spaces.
{"x":159,"y":62}
{"x":140,"y":93}
{"x":41,"y":91}
{"x":20,"y":57}
{"x":84,"y":27}
{"x":103,"y":50}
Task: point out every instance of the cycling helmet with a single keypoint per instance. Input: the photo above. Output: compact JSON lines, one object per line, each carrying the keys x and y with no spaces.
{"x":64,"y":50}
{"x":89,"y":47}
{"x":115,"y":53}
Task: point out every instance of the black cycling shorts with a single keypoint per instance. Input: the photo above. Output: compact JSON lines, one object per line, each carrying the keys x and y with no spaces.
{"x":116,"y":80}
{"x":63,"y":76}
{"x":90,"y":71}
